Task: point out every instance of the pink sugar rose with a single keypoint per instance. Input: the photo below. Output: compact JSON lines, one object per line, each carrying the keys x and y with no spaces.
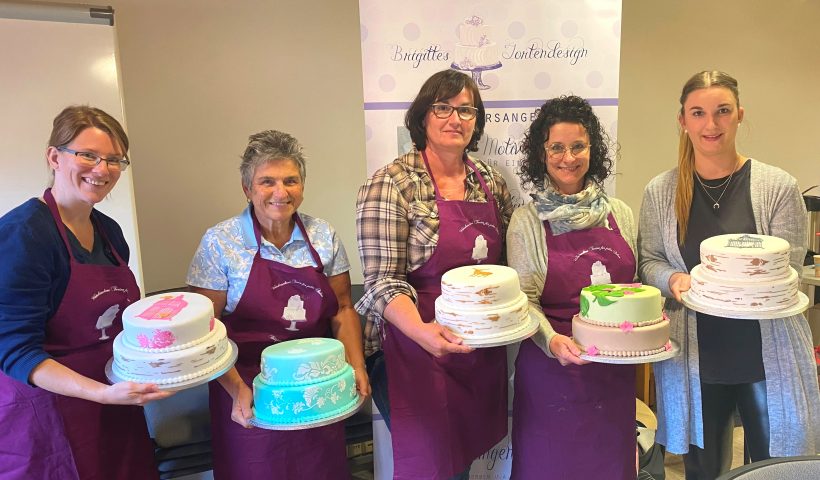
{"x":143,"y":340}
{"x":162,"y":339}
{"x":626,"y":327}
{"x":668,"y":346}
{"x":665,"y":316}
{"x":211,"y":325}
{"x":592,"y":350}
{"x":629,"y":292}
{"x":633,"y":285}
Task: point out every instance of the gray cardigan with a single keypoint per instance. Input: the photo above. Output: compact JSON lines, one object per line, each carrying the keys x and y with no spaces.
{"x":527,"y":254}
{"x":788,"y":359}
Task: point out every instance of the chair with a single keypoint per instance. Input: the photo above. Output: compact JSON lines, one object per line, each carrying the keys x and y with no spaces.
{"x":181,"y":429}
{"x":785,"y":468}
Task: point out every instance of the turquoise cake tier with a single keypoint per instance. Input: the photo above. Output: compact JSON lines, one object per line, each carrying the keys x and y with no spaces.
{"x":303,"y":381}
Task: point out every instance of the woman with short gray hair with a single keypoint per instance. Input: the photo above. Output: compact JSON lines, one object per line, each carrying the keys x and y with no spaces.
{"x":236,"y":264}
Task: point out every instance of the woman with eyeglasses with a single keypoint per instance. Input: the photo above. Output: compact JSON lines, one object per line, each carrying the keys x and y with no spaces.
{"x":418,"y":217}
{"x":764,"y":368}
{"x":253,"y":266}
{"x":64,"y":283}
{"x":571,"y":419}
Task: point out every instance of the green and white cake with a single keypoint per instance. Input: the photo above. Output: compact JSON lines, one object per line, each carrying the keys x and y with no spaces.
{"x":621,"y":320}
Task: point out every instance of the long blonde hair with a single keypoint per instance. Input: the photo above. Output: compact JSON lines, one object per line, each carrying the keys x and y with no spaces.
{"x":686,"y":151}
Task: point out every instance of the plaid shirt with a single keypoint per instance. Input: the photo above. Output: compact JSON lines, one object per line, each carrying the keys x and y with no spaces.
{"x":397,"y":229}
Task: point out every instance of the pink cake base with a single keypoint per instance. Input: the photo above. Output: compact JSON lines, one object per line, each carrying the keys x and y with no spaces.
{"x":614,"y":341}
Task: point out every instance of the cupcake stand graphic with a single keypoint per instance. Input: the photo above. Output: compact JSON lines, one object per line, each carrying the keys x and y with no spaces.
{"x":474,"y":51}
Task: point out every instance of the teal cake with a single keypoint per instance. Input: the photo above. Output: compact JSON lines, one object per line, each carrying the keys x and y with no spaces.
{"x":303,"y":381}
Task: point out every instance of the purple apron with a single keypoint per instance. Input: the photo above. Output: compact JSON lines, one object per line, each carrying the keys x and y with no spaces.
{"x":574,"y":421}
{"x":447,"y":411}
{"x":249,"y":454}
{"x":57,"y":437}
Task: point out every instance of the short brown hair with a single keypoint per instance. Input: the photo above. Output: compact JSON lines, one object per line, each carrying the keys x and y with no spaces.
{"x":76,"y":118}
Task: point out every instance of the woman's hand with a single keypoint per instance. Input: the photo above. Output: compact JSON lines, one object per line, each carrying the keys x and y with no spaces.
{"x":241,"y":411}
{"x":362,"y":381}
{"x":131,"y":393}
{"x":566,"y":351}
{"x":678,"y":283}
{"x":437,"y":340}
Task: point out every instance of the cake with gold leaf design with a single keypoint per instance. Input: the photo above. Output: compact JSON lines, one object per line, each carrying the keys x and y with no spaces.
{"x":303,"y":381}
{"x":482,"y":303}
{"x":170,"y":338}
{"x":621,"y":320}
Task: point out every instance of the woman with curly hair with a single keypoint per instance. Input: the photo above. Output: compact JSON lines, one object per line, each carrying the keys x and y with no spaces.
{"x":570,"y":419}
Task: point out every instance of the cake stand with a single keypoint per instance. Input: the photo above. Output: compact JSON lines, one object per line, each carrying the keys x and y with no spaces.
{"x":185,"y":384}
{"x":657,"y":357}
{"x":513,"y":337}
{"x":476,"y":73}
{"x":799,"y":307}
{"x":315,"y":424}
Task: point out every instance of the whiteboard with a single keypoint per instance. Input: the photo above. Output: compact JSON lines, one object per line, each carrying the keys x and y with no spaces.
{"x":46,"y":66}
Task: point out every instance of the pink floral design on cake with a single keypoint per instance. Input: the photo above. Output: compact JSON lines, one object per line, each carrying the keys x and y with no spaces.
{"x":592,"y":350}
{"x":626,"y":327}
{"x":211,"y":325}
{"x":164,"y":309}
{"x":160,"y":339}
{"x":668,"y":346}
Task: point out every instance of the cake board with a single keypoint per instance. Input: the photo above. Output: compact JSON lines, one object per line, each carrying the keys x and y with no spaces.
{"x":656,"y":357}
{"x":194,"y":382}
{"x":801,"y":306}
{"x":307,"y":425}
{"x":514,"y":337}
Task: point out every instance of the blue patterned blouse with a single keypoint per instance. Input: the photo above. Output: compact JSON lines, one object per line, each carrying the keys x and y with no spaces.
{"x":225,"y":254}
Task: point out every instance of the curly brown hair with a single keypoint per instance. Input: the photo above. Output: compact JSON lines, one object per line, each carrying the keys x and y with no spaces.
{"x":564,"y":109}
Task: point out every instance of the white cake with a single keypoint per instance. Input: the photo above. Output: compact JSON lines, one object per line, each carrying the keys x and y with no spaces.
{"x":474,"y":49}
{"x":170,"y":338}
{"x":482,"y":302}
{"x":744,"y":273}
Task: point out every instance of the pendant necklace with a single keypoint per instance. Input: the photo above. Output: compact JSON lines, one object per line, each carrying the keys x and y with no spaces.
{"x":716,"y":204}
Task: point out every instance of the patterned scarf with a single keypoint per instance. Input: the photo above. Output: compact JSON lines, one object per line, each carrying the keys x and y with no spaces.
{"x":585,"y":209}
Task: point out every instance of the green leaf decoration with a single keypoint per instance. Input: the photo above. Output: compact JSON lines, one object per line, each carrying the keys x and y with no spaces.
{"x":584,"y":306}
{"x":598,"y":288}
{"x":603,"y":301}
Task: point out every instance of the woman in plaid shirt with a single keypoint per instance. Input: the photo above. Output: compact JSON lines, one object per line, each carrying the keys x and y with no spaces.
{"x":418,"y":217}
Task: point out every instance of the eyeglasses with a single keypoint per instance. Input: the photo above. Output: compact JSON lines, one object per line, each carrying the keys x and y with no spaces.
{"x":558,"y":150}
{"x":92,"y":159}
{"x":442,"y":110}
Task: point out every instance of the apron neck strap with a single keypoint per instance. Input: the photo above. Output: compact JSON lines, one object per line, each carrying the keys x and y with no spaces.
{"x":469,"y":164}
{"x":51,"y":203}
{"x":257,"y":233}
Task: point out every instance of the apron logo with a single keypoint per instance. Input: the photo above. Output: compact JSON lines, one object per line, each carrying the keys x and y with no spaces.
{"x":106,"y":319}
{"x":164,"y":309}
{"x":109,"y":290}
{"x":480,"y":248}
{"x":294,"y":312}
{"x":478,"y":222}
{"x":599,"y":275}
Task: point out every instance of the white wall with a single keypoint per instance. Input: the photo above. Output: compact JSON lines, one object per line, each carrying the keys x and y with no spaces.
{"x":199,"y":77}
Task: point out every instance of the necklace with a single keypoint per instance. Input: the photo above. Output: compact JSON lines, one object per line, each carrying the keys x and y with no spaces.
{"x":716,"y":205}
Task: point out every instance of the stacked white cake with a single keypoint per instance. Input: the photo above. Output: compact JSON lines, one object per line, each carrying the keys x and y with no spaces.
{"x":170,"y":338}
{"x":474,"y":49}
{"x":744,"y":273}
{"x":482,"y":303}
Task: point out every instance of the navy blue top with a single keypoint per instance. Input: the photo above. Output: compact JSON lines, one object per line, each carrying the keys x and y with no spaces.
{"x":34,"y":272}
